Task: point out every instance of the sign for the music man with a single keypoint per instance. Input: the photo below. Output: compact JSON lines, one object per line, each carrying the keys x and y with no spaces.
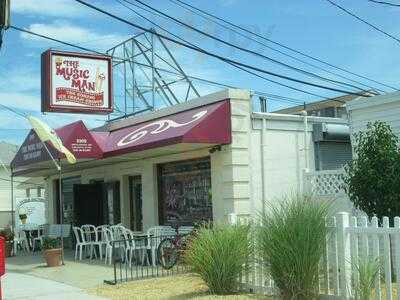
{"x":76,"y":82}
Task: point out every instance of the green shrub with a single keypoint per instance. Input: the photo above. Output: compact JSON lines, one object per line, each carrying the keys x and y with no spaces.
{"x":291,"y":242}
{"x":367,"y":272}
{"x":50,"y":243}
{"x":7,"y":234}
{"x":219,"y":256}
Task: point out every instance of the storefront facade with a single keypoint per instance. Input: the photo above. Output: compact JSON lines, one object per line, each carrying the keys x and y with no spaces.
{"x":198,"y":161}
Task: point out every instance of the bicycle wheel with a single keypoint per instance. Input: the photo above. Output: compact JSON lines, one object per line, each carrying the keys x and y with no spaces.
{"x":167,"y":253}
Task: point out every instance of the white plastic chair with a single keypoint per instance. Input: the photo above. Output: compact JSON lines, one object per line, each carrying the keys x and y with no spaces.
{"x":99,"y":241}
{"x":118,"y":231}
{"x":39,"y":237}
{"x":111,"y":244}
{"x":21,"y":240}
{"x":185,"y":229}
{"x":130,"y":246}
{"x":88,"y":230}
{"x":81,"y":243}
{"x":154,"y":237}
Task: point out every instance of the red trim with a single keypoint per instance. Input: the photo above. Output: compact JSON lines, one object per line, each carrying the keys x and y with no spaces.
{"x":212,"y":128}
{"x":209,"y":124}
{"x":47,"y":84}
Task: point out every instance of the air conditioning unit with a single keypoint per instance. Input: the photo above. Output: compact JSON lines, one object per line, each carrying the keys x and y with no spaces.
{"x":4,"y":14}
{"x":331,"y":132}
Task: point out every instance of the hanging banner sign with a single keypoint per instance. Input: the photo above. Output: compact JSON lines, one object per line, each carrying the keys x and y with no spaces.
{"x":76,"y":82}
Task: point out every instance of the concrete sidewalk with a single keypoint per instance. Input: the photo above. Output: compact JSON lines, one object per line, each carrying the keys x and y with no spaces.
{"x":21,"y":286}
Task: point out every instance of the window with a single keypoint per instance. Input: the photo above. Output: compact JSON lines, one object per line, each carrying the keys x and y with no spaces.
{"x":68,"y":198}
{"x":331,"y":155}
{"x":185,"y":192}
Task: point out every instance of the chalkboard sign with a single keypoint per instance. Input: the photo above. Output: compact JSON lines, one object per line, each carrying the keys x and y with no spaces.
{"x":185,"y":192}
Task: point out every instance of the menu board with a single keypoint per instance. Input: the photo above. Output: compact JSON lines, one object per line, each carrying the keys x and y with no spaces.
{"x":185,"y":192}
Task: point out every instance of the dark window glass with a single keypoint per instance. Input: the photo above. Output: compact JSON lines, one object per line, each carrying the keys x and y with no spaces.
{"x":185,"y":192}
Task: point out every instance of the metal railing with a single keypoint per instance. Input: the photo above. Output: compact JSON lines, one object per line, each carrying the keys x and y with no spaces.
{"x":139,"y":258}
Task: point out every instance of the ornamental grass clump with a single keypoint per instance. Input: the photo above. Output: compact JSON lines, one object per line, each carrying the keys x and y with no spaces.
{"x":291,"y":243}
{"x":367,"y":271}
{"x":219,"y":255}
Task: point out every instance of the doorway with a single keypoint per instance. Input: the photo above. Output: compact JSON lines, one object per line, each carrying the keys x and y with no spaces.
{"x":88,"y":204}
{"x":135,"y":195}
{"x":97,"y":203}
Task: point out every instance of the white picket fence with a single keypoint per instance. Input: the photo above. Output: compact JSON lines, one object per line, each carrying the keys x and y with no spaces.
{"x":350,"y":239}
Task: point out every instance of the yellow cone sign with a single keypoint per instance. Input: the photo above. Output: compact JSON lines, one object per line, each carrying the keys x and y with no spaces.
{"x":47,"y":134}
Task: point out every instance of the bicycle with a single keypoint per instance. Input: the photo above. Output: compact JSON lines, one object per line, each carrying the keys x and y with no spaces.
{"x":170,"y":249}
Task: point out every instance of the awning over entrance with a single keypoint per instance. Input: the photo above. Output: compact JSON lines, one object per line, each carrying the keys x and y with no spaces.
{"x":208,"y":124}
{"x":75,"y":136}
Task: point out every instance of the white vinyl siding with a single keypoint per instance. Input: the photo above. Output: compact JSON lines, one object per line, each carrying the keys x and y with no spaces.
{"x":384,"y":108}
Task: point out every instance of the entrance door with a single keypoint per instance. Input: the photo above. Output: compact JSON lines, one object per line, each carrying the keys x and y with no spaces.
{"x":135,"y":191}
{"x":88,"y":204}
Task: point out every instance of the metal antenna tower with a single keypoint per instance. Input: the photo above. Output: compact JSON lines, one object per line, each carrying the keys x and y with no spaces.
{"x":151,"y":76}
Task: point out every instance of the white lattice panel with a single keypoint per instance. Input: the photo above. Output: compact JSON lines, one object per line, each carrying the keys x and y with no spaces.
{"x":325,"y":183}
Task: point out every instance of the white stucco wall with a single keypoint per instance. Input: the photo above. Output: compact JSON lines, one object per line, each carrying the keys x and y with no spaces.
{"x":237,"y":171}
{"x":279,"y":158}
{"x":280,"y":162}
{"x":230,"y":172}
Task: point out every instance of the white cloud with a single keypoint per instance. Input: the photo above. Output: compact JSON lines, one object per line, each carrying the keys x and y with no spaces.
{"x":54,"y":8}
{"x":75,"y":34}
{"x":20,"y":100}
{"x":21,"y":79}
{"x":227,"y":2}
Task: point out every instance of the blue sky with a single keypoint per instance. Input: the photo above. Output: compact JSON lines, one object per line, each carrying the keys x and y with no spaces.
{"x":314,"y":27}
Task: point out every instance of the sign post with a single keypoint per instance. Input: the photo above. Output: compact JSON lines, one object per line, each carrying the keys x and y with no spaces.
{"x":76,"y":82}
{"x":2,"y":261}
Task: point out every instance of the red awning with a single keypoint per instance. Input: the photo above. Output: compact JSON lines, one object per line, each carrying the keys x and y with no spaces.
{"x":209,"y":124}
{"x":75,"y":136}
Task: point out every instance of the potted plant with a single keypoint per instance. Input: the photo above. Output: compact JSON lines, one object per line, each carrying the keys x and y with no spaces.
{"x":52,"y":251}
{"x":8,"y":236}
{"x":23,"y":215}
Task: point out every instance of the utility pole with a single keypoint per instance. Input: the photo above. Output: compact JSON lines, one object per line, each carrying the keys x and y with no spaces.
{"x":4,"y":18}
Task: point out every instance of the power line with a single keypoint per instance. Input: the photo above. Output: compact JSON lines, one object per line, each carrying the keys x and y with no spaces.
{"x":15,"y":129}
{"x":144,"y":65}
{"x":364,"y":21}
{"x":160,"y":69}
{"x":54,"y":40}
{"x":384,"y":3}
{"x":228,"y":60}
{"x":285,"y":46}
{"x":232,"y":64}
{"x":13,"y":110}
{"x":16,"y":181}
{"x":211,"y":36}
{"x":283,"y":98}
{"x":269,"y":47}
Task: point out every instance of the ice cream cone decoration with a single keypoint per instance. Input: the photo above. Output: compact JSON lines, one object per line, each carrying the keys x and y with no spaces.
{"x":100,"y":77}
{"x":46,"y":134}
{"x":97,"y":79}
{"x":58,"y":60}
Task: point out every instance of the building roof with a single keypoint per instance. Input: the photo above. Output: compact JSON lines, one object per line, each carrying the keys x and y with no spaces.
{"x":333,"y":102}
{"x":7,"y":152}
{"x":203,"y":122}
{"x":361,"y":102}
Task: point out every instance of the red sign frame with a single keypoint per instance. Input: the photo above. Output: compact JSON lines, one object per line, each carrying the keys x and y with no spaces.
{"x":46,"y":88}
